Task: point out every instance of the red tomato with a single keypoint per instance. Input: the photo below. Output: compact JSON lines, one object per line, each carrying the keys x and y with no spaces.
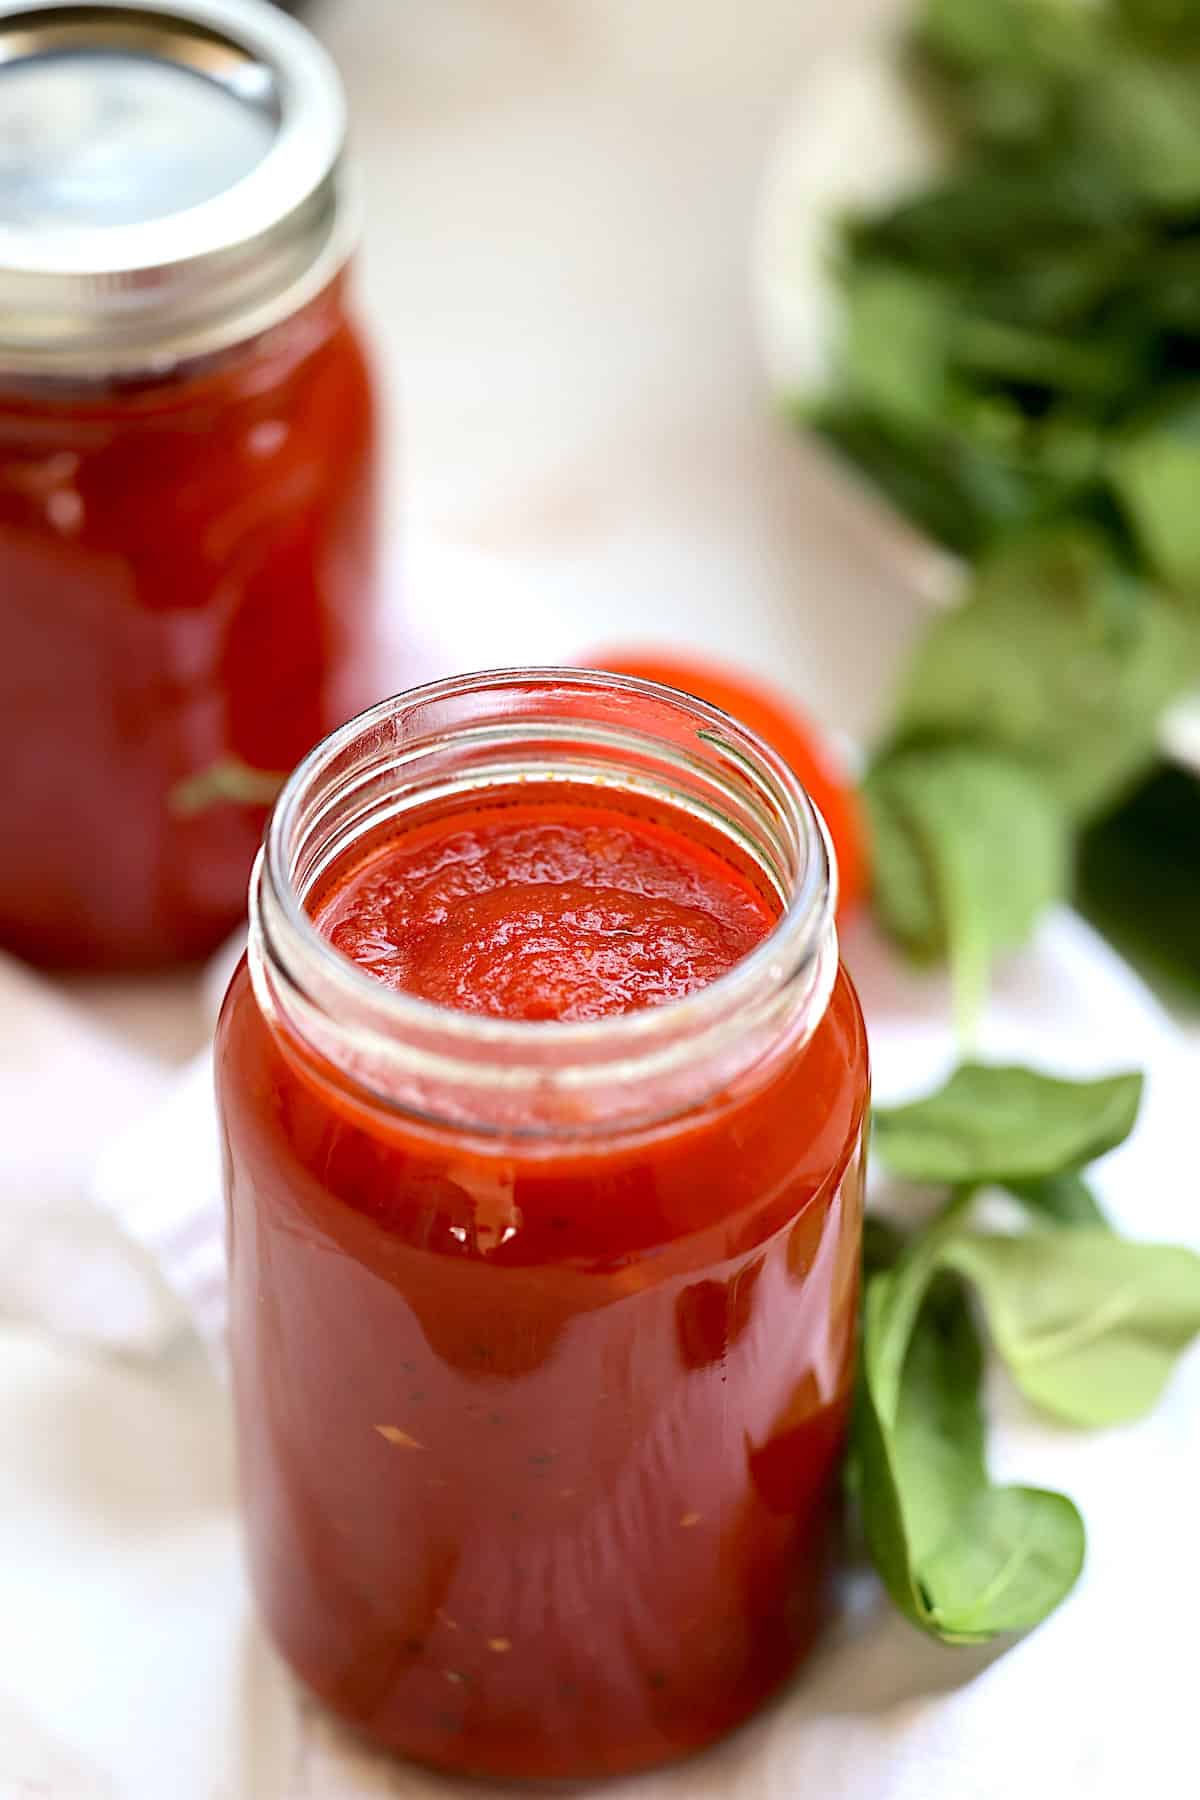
{"x":777,"y":720}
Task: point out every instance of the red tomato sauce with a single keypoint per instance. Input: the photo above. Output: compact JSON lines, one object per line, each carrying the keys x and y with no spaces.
{"x":581,"y":916}
{"x":540,"y":1441}
{"x":186,"y":574}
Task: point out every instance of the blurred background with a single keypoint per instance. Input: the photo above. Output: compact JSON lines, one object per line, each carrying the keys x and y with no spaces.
{"x":582,"y":446}
{"x":561,"y":199}
{"x":601,"y":263}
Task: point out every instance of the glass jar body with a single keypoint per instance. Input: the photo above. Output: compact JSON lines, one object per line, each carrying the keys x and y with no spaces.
{"x":187,"y":587}
{"x":540,"y":1444}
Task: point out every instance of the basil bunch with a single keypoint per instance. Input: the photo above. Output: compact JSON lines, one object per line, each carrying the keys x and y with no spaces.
{"x":1019,"y":372}
{"x":1088,"y":1324}
{"x":1026,"y":712}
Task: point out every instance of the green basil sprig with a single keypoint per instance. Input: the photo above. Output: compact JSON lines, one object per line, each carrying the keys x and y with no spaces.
{"x":1016,"y":371}
{"x":1088,"y":1324}
{"x":962,"y":1558}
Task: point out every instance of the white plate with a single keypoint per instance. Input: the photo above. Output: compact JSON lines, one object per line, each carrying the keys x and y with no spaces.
{"x":854,"y":137}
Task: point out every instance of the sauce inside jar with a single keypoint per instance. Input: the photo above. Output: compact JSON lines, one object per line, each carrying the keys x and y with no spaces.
{"x":187,"y":568}
{"x":526,"y":911}
{"x":541,"y":1439}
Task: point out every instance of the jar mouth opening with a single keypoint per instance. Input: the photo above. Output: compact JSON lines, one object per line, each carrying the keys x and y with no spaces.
{"x":89,"y":292}
{"x":467,"y":730}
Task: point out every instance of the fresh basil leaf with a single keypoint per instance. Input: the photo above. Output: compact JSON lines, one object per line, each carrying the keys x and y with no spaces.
{"x":1068,"y":284}
{"x":918,"y":1438}
{"x":873,"y":1481}
{"x":1014,"y":1555}
{"x":1021,"y":378}
{"x":962,"y":1559}
{"x":955,"y":480}
{"x":1061,"y":1200}
{"x":897,"y":326}
{"x":1138,"y":880}
{"x":1089,"y":1324}
{"x":1100,"y":366}
{"x":980,"y":38}
{"x":894,"y":1303}
{"x":1155,"y":472}
{"x":1059,"y":659}
{"x":1140,"y":115}
{"x":1164,"y":296}
{"x":1069,"y":79}
{"x":938,"y":1425}
{"x":969,"y":221}
{"x":903,"y":872}
{"x":1003,"y":1125}
{"x":1167,"y":24}
{"x":969,"y":849}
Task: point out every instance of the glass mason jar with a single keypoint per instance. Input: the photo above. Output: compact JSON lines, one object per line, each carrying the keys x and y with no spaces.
{"x":187,"y":463}
{"x":543,"y":1333}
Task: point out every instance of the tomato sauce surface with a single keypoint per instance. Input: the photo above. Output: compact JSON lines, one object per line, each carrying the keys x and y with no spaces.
{"x":540,"y":1440}
{"x":581,"y":916}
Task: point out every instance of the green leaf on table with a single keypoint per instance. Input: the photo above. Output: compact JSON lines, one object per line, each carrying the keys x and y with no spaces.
{"x":968,"y":850}
{"x":1064,"y":1199}
{"x":1002,"y":1125}
{"x":1154,"y":470}
{"x":1089,"y":1324}
{"x":899,"y":1295}
{"x":1014,"y":1555}
{"x":912,"y":1478}
{"x":1059,"y":658}
{"x":962,"y":1559}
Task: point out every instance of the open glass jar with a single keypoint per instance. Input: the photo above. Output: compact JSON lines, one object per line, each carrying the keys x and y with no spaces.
{"x":187,"y":463}
{"x":542,"y":1330}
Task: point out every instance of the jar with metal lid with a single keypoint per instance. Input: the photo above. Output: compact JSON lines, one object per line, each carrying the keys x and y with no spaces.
{"x":187,"y":462}
{"x":542,"y":1095}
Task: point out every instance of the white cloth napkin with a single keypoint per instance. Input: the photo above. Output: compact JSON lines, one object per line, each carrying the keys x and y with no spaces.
{"x":64,"y":1088}
{"x":1096,"y":1701}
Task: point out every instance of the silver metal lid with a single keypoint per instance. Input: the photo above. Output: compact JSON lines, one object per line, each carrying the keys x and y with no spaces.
{"x":171,"y":180}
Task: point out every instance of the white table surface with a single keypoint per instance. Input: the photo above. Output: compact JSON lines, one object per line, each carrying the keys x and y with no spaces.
{"x":559,"y":198}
